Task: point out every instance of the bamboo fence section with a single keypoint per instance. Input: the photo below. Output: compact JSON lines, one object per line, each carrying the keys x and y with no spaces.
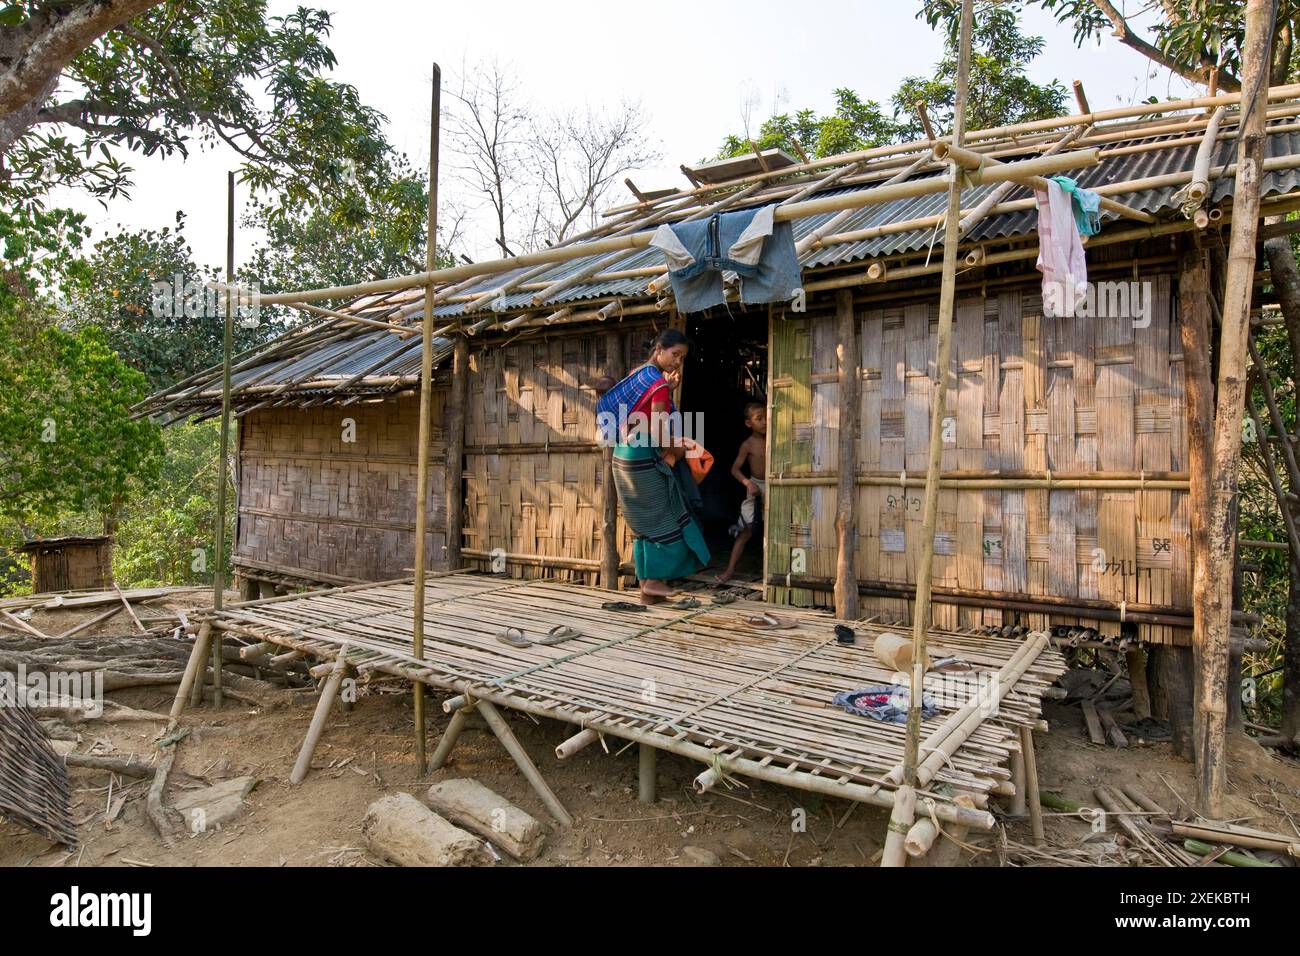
{"x":700,"y":683}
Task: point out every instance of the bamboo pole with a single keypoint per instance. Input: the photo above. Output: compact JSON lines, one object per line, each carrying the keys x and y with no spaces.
{"x":978,"y":163}
{"x":900,"y":821}
{"x":449,"y":738}
{"x":849,"y":358}
{"x":1041,"y":165}
{"x":1215,"y":585}
{"x":193,"y":671}
{"x":323,"y":706}
{"x":645,"y":773}
{"x":938,"y":400}
{"x":455,"y":471}
{"x":1031,"y":784}
{"x":426,"y":399}
{"x":524,"y":762}
{"x":1199,"y":187}
{"x":219,"y":544}
{"x":609,"y":556}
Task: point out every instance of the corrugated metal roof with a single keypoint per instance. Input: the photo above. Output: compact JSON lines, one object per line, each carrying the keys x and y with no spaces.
{"x":380,"y":353}
{"x":1112,"y":169}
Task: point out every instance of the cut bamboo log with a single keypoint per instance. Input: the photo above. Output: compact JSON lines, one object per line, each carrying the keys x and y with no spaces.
{"x":579,"y":741}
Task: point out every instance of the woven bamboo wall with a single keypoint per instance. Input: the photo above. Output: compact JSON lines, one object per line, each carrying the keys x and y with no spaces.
{"x":1078,"y":396}
{"x":533,"y":473}
{"x":314,"y":505}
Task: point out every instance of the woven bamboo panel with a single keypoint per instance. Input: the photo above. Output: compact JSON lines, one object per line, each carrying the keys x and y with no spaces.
{"x":311,"y":502}
{"x":533,"y":473}
{"x":1028,"y":394}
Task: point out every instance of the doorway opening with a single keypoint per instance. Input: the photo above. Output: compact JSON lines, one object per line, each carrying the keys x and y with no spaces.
{"x":726,"y":370}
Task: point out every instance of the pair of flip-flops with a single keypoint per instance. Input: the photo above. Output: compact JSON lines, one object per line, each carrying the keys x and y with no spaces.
{"x":514,"y":636}
{"x":767,"y":622}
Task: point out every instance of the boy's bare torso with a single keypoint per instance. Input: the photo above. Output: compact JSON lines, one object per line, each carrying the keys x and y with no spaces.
{"x":756,"y":456}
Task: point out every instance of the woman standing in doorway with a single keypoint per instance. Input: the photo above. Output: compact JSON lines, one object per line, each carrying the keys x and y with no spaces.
{"x":668,"y":542}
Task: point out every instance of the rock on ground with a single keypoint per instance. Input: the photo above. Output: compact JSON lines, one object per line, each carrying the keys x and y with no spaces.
{"x":216,"y":805}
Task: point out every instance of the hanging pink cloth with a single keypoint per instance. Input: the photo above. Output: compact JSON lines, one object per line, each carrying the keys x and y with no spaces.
{"x":1060,"y":252}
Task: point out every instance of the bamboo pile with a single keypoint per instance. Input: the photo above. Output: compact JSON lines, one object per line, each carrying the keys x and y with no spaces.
{"x":696,"y":682}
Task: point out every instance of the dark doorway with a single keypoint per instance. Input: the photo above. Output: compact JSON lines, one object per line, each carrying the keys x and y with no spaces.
{"x":725,"y":370}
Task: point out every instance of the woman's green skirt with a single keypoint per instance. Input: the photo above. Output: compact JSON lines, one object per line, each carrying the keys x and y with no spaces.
{"x":668,"y":541}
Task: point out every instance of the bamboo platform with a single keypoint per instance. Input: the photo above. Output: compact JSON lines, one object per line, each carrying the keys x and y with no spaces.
{"x":698,"y":682}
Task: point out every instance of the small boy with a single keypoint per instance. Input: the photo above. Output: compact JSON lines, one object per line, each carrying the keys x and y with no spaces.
{"x":753,"y":450}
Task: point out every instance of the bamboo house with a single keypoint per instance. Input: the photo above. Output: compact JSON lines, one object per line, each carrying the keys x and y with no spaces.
{"x":1064,"y":496}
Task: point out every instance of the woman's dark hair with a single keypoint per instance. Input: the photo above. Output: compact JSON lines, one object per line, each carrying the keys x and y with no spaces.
{"x":668,"y":338}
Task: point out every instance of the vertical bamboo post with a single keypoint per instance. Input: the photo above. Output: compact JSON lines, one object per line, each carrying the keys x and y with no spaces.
{"x":456,"y":401}
{"x":947,"y":293}
{"x":900,"y":821}
{"x":645,"y":773}
{"x":219,"y":545}
{"x":426,"y":395}
{"x":1214,"y":586}
{"x":610,"y":559}
{"x":1032,"y":796}
{"x":1194,"y":336}
{"x":849,"y":358}
{"x":609,"y":556}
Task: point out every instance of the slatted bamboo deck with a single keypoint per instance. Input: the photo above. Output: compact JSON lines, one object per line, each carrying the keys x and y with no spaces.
{"x":699,"y":682}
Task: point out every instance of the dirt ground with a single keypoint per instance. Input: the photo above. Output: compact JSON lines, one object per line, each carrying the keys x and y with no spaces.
{"x":367,"y":753}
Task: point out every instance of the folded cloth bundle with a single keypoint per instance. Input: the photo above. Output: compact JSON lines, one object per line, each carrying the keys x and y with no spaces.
{"x":887,"y":702}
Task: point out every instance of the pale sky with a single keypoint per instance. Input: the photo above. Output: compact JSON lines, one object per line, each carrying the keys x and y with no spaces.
{"x":691,"y":65}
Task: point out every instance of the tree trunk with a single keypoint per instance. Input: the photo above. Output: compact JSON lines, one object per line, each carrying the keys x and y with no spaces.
{"x":1212,"y":588}
{"x":1285,"y":277}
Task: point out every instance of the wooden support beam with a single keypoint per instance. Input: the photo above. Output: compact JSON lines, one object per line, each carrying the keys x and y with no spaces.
{"x":609,"y":556}
{"x":457,"y":400}
{"x":848,"y":359}
{"x":323,"y":707}
{"x":524,"y":762}
{"x":449,"y":738}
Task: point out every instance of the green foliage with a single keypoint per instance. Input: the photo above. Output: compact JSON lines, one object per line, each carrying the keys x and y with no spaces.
{"x":171,"y":517}
{"x":192,"y":73}
{"x":307,"y":248}
{"x":127,"y":289}
{"x":854,"y":124}
{"x":41,"y":251}
{"x":1000,"y":91}
{"x":1188,"y":36}
{"x":67,"y":441}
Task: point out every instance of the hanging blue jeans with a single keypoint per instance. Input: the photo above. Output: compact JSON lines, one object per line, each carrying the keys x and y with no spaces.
{"x":749,"y":243}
